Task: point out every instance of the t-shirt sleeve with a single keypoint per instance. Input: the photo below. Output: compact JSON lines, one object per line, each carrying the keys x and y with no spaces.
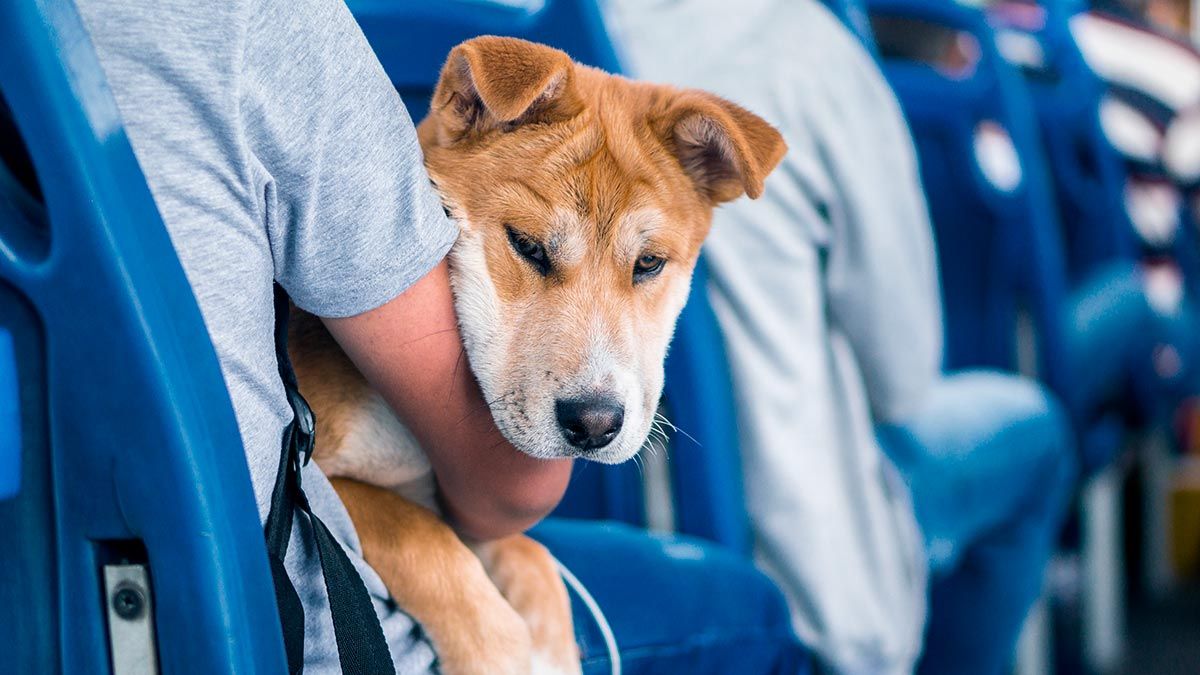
{"x":352,"y":217}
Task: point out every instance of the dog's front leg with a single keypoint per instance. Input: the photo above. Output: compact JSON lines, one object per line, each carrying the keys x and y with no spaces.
{"x":528,"y":577}
{"x":439,"y":581}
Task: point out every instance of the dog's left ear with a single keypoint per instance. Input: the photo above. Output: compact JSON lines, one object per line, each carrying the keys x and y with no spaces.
{"x":727,"y":150}
{"x":497,"y":83}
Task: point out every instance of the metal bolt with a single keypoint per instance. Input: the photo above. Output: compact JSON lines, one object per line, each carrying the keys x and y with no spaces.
{"x":128,"y":602}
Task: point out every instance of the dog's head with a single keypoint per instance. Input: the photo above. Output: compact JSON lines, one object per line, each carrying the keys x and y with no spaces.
{"x":583,"y":199}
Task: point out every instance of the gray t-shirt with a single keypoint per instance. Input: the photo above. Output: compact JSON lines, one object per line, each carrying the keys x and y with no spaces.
{"x":276,"y":149}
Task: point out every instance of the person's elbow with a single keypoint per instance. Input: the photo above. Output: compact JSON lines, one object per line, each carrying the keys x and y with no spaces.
{"x":509,"y":507}
{"x":899,"y":383}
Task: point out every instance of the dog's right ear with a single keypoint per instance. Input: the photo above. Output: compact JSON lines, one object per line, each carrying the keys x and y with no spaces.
{"x":496,"y":83}
{"x":725,"y":149}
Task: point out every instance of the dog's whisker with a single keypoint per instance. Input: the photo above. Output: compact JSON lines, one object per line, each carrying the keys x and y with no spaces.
{"x":473,"y":413}
{"x":657,"y":432}
{"x":502,"y":441}
{"x":462,"y":351}
{"x":658,"y":441}
{"x":488,"y":406}
{"x":660,"y":416}
{"x":429,"y":335}
{"x":637,"y":461}
{"x":662,"y":445}
{"x":662,"y":433}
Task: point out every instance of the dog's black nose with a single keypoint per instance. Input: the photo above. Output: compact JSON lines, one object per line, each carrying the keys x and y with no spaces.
{"x":589,"y":422}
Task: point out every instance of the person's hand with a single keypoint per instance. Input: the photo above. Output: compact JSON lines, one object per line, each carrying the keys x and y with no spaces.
{"x":411,"y":352}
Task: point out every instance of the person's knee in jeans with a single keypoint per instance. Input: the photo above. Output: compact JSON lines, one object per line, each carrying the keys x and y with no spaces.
{"x":671,"y":604}
{"x":1053,"y":484}
{"x":998,"y":466}
{"x":1043,"y":432}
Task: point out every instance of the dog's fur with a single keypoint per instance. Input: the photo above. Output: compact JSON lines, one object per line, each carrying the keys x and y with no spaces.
{"x":602,"y":172}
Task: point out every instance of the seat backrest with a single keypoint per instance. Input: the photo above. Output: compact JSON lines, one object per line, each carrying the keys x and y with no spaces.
{"x":125,"y":499}
{"x":995,"y":220}
{"x":1152,"y":82}
{"x":1087,"y":174}
{"x":412,"y":39}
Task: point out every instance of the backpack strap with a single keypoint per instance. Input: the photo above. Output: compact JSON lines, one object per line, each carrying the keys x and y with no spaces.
{"x":362,"y":649}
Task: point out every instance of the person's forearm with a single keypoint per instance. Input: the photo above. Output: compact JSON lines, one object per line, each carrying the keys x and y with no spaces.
{"x":487,"y":488}
{"x":411,"y":352}
{"x":504,"y":493}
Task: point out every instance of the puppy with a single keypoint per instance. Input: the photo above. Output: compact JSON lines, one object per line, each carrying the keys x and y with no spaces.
{"x":582,"y":199}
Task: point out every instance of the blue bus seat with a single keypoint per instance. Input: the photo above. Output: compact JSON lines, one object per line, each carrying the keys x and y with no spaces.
{"x":1145,"y":112}
{"x":412,"y":39}
{"x":1001,"y":243}
{"x":1088,"y":176}
{"x":998,"y":239}
{"x":706,"y":477}
{"x":10,"y":420}
{"x":129,"y":451}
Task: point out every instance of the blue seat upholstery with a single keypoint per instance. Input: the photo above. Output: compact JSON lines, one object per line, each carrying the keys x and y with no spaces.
{"x":1088,"y":176}
{"x":10,"y":420}
{"x":129,"y":447}
{"x":999,"y":247}
{"x":1002,"y":249}
{"x":1139,"y":92}
{"x":412,"y":39}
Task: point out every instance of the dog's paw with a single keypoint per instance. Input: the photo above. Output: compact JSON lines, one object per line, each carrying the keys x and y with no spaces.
{"x":545,"y":663}
{"x":527,"y":575}
{"x":494,"y":642}
{"x":495,"y":664}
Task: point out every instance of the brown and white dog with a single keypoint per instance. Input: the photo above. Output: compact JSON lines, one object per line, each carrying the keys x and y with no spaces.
{"x":583,"y":199}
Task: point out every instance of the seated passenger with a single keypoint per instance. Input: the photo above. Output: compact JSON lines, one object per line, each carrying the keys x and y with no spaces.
{"x":276,"y":149}
{"x":827,"y":293}
{"x":1151,"y":122}
{"x":1115,"y":328}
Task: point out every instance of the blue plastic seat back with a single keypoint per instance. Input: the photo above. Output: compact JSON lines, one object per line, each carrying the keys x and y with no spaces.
{"x":1138,"y":81}
{"x":127,"y":446}
{"x":412,"y":39}
{"x":998,"y":238}
{"x":1137,"y":88}
{"x":706,"y":470}
{"x":1087,"y":173}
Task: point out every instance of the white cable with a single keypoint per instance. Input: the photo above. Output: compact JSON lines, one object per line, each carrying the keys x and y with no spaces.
{"x":610,"y":640}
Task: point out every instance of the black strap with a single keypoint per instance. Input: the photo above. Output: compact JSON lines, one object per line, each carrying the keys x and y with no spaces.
{"x":362,"y":649}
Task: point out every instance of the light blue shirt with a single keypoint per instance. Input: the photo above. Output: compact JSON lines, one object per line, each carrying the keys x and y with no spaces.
{"x":826,"y":291}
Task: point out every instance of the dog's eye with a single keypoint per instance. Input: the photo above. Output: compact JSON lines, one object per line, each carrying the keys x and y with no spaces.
{"x":530,"y":250}
{"x":647,"y":266}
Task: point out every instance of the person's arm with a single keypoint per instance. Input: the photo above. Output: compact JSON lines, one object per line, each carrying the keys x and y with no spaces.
{"x":411,"y":352}
{"x":881,"y":276}
{"x":355,"y":227}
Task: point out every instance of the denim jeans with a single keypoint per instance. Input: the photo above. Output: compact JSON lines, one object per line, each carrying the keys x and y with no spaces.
{"x":674,"y":604}
{"x":991,"y":467}
{"x":1112,"y":334}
